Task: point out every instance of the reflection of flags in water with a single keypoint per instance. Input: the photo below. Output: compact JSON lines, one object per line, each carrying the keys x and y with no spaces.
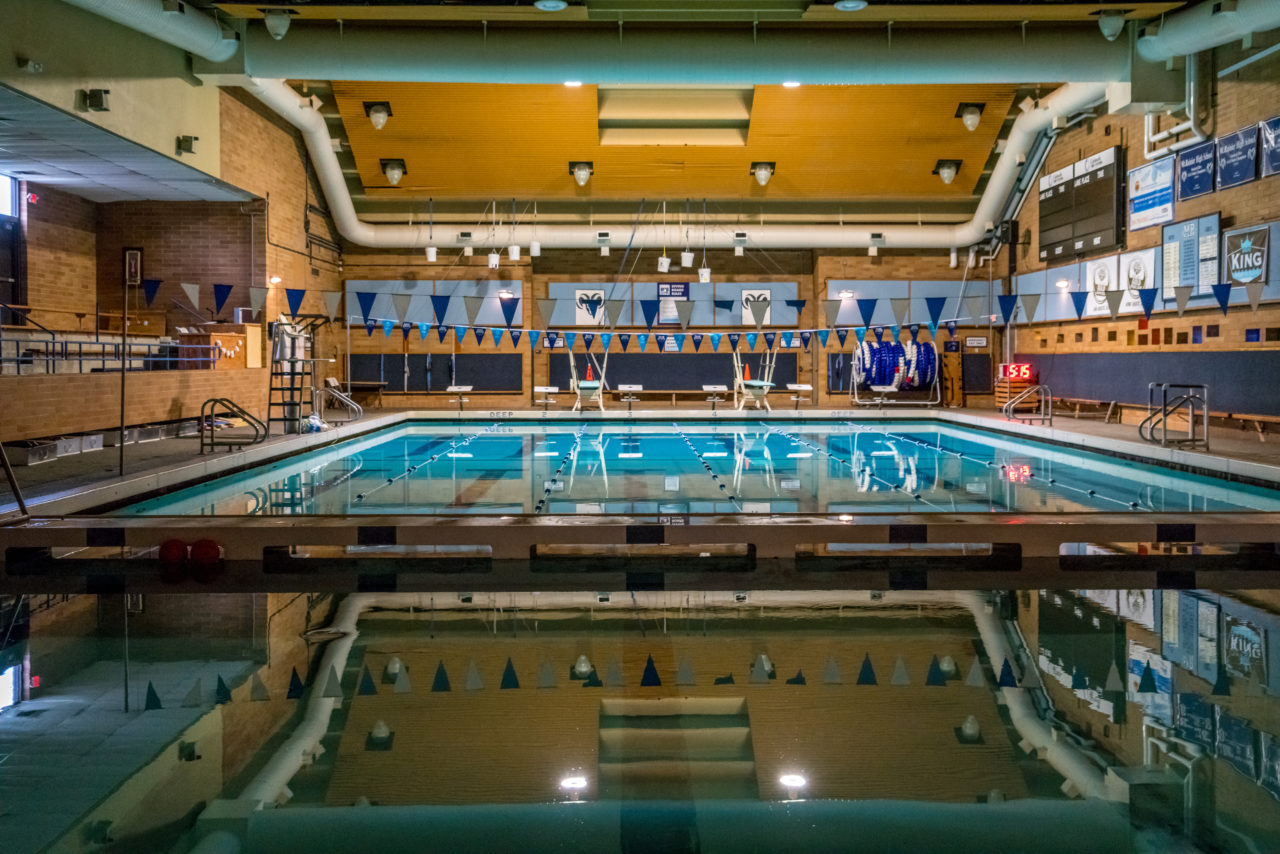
{"x":453,"y":369}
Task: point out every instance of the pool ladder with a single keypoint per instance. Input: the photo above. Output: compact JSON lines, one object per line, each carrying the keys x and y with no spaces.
{"x":1039,"y":396}
{"x":1193,"y":398}
{"x":214,"y":407}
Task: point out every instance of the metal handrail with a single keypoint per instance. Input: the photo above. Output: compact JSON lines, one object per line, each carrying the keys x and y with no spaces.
{"x":209,"y":411}
{"x":25,"y":313}
{"x":1193,"y":396}
{"x":357,"y":411}
{"x":123,"y":354}
{"x":1044,"y":405}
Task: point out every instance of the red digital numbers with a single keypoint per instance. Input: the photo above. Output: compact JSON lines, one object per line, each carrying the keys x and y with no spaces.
{"x":1014,"y":371}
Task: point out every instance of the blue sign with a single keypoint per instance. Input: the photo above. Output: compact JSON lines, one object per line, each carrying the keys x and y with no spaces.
{"x":1270,"y":133}
{"x":1195,"y":170}
{"x":1151,"y":194}
{"x":1194,"y":720}
{"x":1237,"y":158}
{"x":1236,"y":744}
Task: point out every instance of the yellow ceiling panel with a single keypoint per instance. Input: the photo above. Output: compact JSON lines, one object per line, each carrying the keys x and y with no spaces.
{"x":486,"y":141}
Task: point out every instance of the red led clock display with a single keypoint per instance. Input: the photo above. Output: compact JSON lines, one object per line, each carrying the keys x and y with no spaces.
{"x":1015,"y":371}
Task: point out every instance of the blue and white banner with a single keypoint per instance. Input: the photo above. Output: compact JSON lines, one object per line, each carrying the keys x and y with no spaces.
{"x":1238,"y":158}
{"x":1246,"y":254}
{"x":1151,"y":194}
{"x":1270,"y":155}
{"x":1196,"y":170}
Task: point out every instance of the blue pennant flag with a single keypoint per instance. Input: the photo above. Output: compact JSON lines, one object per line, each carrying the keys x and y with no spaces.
{"x":879,"y":331}
{"x":861,"y":333}
{"x":220,"y":294}
{"x":679,"y":337}
{"x":515,"y":337}
{"x":387,"y":326}
{"x":723,"y":304}
{"x":843,"y":335}
{"x":479,"y":331}
{"x":649,"y":307}
{"x":797,"y":304}
{"x":1078,"y":299}
{"x":295,"y":295}
{"x":588,"y":338}
{"x":1148,"y":297}
{"x":734,"y":338}
{"x":697,"y":341}
{"x":605,"y":338}
{"x":497,"y":336}
{"x":534,"y":335}
{"x":552,"y":338}
{"x":894,"y":332}
{"x":824,"y":335}
{"x":369,"y":326}
{"x":662,"y":342}
{"x":914,"y":329}
{"x":440,"y":305}
{"x":149,"y":289}
{"x":423,"y":329}
{"x":951,"y":328}
{"x":715,"y":341}
{"x":569,"y":338}
{"x":867,"y":308}
{"x":509,"y":305}
{"x":366,"y":303}
{"x":405,"y":329}
{"x":805,"y":338}
{"x":786,"y":340}
{"x":642,"y":340}
{"x":460,"y":332}
{"x":769,"y":338}
{"x":1007,"y":304}
{"x":751,"y":341}
{"x":624,"y":338}
{"x":1223,"y":294}
{"x":935,"y":305}
{"x":442,"y":331}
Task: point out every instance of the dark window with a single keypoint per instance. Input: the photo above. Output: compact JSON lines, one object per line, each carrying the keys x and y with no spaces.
{"x":1211,"y":331}
{"x":13,"y":285}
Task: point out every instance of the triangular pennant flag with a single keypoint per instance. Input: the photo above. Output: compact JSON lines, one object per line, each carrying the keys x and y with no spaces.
{"x":569,"y":338}
{"x":366,"y":683}
{"x":151,"y":286}
{"x":365,"y":298}
{"x":900,"y":676}
{"x":1078,"y":301}
{"x":734,"y":338}
{"x":472,"y":304}
{"x":1030,"y":302}
{"x":332,"y":684}
{"x":515,"y":337}
{"x":697,"y":341}
{"x":474,"y":682}
{"x":258,"y":692}
{"x":605,"y":339}
{"x":824,"y":335}
{"x":460,"y":333}
{"x":914,"y":329}
{"x":400,"y":303}
{"x":220,"y":294}
{"x":1147,"y":682}
{"x":294,"y":297}
{"x":1114,"y":298}
{"x":1113,"y":683}
{"x":650,"y":679}
{"x":546,"y":308}
{"x":679,"y":339}
{"x":1222,"y":293}
{"x":759,"y":310}
{"x":1007,"y":303}
{"x":509,"y":680}
{"x":296,"y":687}
{"x":332,"y":303}
{"x":441,"y":332}
{"x":479,"y":333}
{"x":509,"y":306}
{"x":552,"y":338}
{"x":805,"y":337}
{"x":613,"y":677}
{"x":831,"y":311}
{"x":534,"y":335}
{"x":662,"y":342}
{"x":935,"y":675}
{"x":769,"y":339}
{"x":831,"y":673}
{"x":684,"y":311}
{"x":423,"y":329}
{"x":1254,"y":291}
{"x":1147,"y":296}
{"x":934,"y":305}
{"x":405,"y":329}
{"x":497,"y":335}
{"x":751,"y":341}
{"x":900,"y":306}
{"x":193,"y":294}
{"x":951,"y":328}
{"x":684,"y":672}
{"x":860,"y":333}
{"x":1007,"y":679}
{"x":547,"y":675}
{"x":221,"y":694}
{"x":369,"y":326}
{"x":894,"y":333}
{"x":402,"y":684}
{"x":867,"y":673}
{"x":440,"y":683}
{"x":797,"y":304}
{"x":624,"y":339}
{"x":798,"y":679}
{"x":1078,"y":680}
{"x":787,"y":338}
{"x":592,"y":680}
{"x":714,"y":337}
{"x":842,"y":335}
{"x":588,"y":338}
{"x":440,"y":307}
{"x":976,"y":678}
{"x":867,"y":308}
{"x":613,"y":310}
{"x":649,"y":308}
{"x":195,"y":696}
{"x":759,"y":673}
{"x":153,"y":699}
{"x":977,"y":307}
{"x":642,"y":340}
{"x":387,"y":326}
{"x":723,"y":304}
{"x":879,"y":332}
{"x":1181,"y":294}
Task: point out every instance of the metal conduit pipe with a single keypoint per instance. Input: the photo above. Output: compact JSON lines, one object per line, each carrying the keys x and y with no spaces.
{"x":1066,"y":100}
{"x":1197,"y":102}
{"x":187,"y":28}
{"x":1207,"y":25}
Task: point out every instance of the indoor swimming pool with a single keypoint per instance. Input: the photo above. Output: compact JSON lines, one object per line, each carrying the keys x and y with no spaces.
{"x":699,"y":467}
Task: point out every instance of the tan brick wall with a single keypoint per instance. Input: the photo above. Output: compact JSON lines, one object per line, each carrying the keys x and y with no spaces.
{"x":62,"y":271}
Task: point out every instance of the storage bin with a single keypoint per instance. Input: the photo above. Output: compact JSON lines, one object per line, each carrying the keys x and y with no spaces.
{"x":69,"y":445}
{"x":31,"y":452}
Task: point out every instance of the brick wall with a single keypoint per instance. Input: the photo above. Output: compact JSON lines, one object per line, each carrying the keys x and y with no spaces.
{"x":62,"y":270}
{"x":53,"y":405}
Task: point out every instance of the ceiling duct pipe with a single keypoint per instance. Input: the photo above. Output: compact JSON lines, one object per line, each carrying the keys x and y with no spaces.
{"x":1210,"y":24}
{"x":185,"y":27}
{"x":1065,"y":101}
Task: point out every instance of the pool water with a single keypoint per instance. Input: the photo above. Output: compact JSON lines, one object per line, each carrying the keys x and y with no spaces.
{"x":702,"y":467}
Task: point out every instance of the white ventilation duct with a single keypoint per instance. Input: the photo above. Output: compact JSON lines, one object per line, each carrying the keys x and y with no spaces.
{"x":1207,"y":25}
{"x":186,"y":27}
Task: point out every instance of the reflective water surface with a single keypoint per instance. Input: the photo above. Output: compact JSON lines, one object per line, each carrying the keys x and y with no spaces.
{"x":1083,"y":720}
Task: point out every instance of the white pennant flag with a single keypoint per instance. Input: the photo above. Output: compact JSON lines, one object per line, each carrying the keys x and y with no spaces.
{"x":900,"y":306}
{"x":400,"y":303}
{"x":684,"y":311}
{"x":1113,"y":302}
{"x":759,"y":311}
{"x":978,"y":309}
{"x":193,"y":294}
{"x":1182,"y":293}
{"x":473,"y":305}
{"x":1030,"y":302}
{"x":257,"y":299}
{"x":332,"y":302}
{"x":831,"y":309}
{"x":1254,"y":290}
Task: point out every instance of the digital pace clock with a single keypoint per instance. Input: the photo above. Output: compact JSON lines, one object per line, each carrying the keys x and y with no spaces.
{"x":1016,"y":371}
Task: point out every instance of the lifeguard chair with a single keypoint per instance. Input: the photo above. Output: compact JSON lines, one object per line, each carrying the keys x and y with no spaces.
{"x":589,"y":390}
{"x":754,"y":390}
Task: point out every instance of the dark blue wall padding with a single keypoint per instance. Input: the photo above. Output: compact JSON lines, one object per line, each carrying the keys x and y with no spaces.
{"x":673,"y":371}
{"x":483,"y":371}
{"x":1240,"y":381}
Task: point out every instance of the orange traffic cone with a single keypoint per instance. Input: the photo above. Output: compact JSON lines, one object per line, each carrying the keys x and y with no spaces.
{"x":589,"y":377}
{"x":746,"y":372}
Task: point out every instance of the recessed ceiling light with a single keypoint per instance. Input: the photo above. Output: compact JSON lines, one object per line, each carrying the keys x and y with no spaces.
{"x":573,"y":84}
{"x":552,"y":5}
{"x":850,"y":5}
{"x":791,"y":84}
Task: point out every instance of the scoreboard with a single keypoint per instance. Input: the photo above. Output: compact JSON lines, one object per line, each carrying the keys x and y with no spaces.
{"x":1081,"y":207}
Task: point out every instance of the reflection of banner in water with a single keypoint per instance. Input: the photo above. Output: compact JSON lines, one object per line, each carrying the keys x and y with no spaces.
{"x":1138,"y":606}
{"x":1244,"y":649}
{"x":1158,"y":703}
{"x":1194,"y":720}
{"x":1236,"y":743}
{"x":1269,"y":774}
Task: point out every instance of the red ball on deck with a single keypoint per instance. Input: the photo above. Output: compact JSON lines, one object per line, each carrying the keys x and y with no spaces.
{"x":206,"y":556}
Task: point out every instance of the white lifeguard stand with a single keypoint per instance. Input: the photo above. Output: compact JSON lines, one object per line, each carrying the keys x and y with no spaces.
{"x":754,"y":390}
{"x":587,"y":391}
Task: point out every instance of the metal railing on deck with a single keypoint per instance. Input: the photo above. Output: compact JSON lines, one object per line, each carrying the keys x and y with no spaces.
{"x":1194,"y":398}
{"x":85,"y":357}
{"x":1015,"y":409}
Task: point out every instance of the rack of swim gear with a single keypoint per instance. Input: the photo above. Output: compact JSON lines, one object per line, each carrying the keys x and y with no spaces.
{"x":887,"y":369}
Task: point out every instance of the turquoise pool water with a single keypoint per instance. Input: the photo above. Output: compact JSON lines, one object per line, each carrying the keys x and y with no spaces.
{"x":701,"y":467}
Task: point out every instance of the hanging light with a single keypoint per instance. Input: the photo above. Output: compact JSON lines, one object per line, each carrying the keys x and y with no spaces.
{"x":431,"y":254}
{"x":664,"y":264}
{"x":535,"y":247}
{"x":970,"y":114}
{"x":494,"y":260}
{"x":378,"y":113}
{"x":513,"y":252}
{"x":581,"y":170}
{"x":946,"y":170}
{"x":686,"y":258}
{"x":393,"y":169}
{"x":704,"y":274}
{"x":763,"y":171}
{"x":277,"y":21}
{"x":431,"y":230}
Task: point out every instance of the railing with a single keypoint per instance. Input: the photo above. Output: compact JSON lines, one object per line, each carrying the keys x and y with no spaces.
{"x":84,"y":357}
{"x":214,"y":407}
{"x":322,"y":396}
{"x":1043,"y":403}
{"x":1194,"y":398}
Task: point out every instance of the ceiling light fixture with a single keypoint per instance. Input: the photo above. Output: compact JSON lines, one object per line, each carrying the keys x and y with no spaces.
{"x":494,"y":260}
{"x":846,"y":295}
{"x":850,"y":5}
{"x":431,"y":230}
{"x":275,"y":280}
{"x":763,"y":170}
{"x":378,"y":113}
{"x":277,"y":21}
{"x":1062,"y":284}
{"x":970,"y":114}
{"x":393,"y":170}
{"x":551,"y":5}
{"x":1111,"y":22}
{"x":946,"y":170}
{"x":790,"y":84}
{"x":581,"y":170}
{"x":573,"y":84}
{"x":793,"y":783}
